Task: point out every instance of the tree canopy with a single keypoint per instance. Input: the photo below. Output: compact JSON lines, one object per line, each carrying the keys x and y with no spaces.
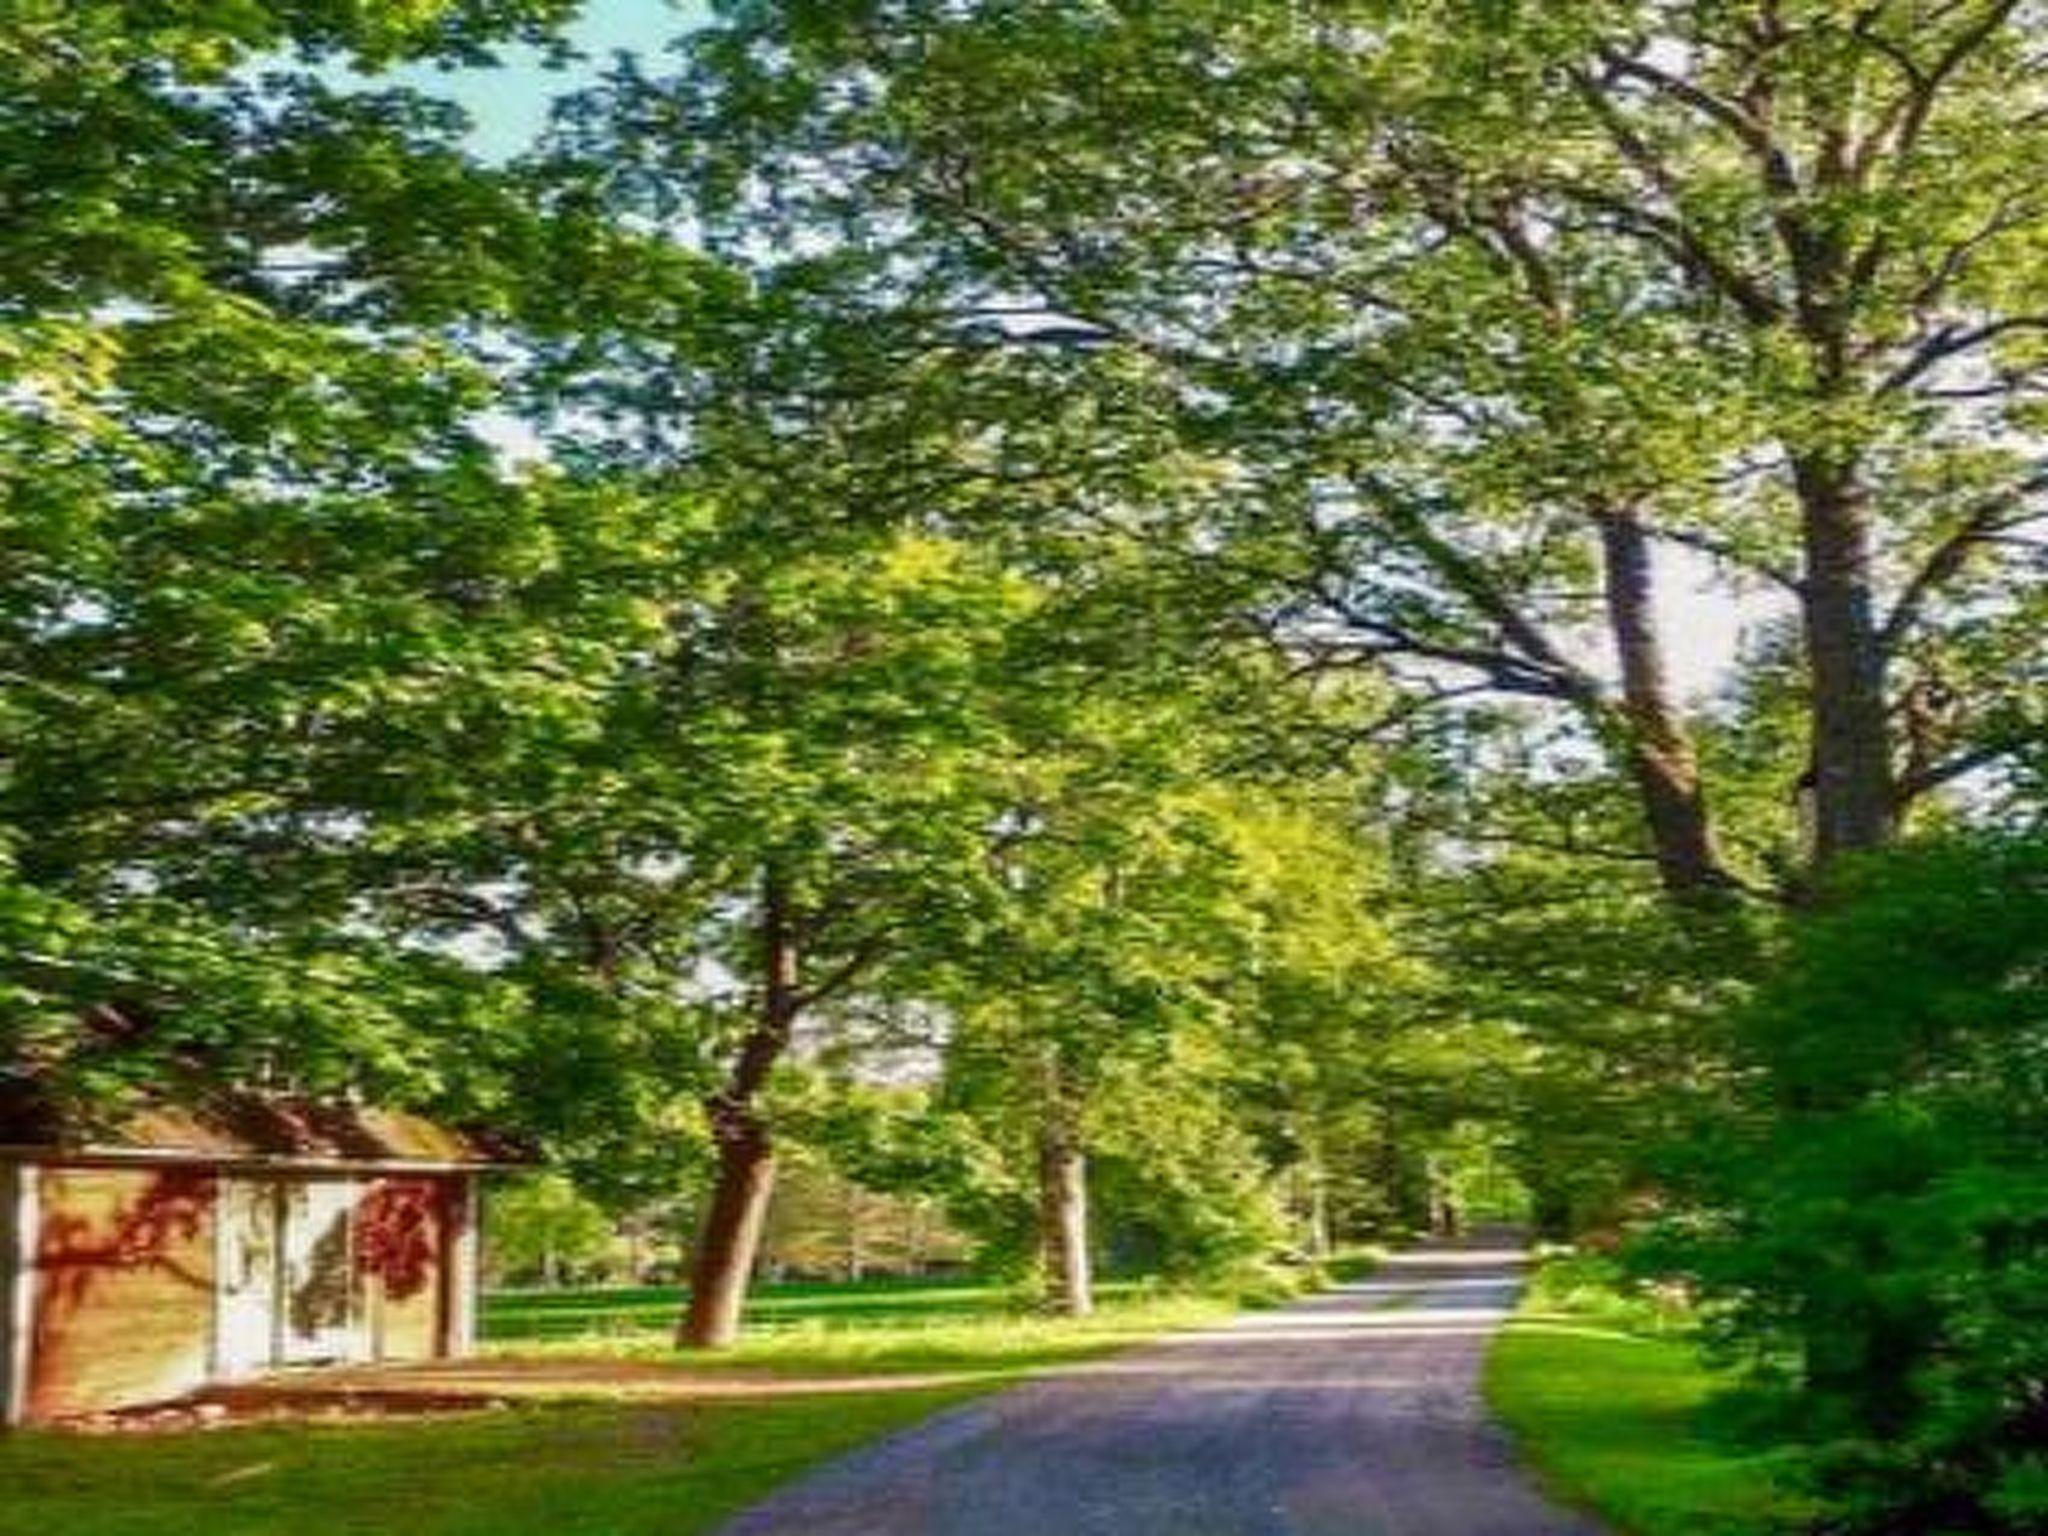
{"x":1090,"y":613}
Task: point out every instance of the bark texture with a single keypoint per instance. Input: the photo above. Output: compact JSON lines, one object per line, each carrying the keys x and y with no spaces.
{"x":1063,"y":1216}
{"x":729,"y":1242}
{"x":1661,"y":755}
{"x":1855,"y":800}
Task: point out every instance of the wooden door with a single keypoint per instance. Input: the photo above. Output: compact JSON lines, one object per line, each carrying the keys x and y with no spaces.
{"x":246,"y":1322}
{"x":321,"y":1302}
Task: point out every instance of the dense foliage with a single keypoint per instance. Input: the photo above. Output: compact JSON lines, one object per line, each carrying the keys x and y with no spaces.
{"x":1074,"y":615}
{"x":255,"y":538}
{"x":1866,"y":1218}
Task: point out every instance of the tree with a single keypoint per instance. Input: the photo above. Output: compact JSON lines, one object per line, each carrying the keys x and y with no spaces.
{"x":1173,"y":950}
{"x":1488,"y":313}
{"x":543,"y":1228}
{"x":248,"y":513}
{"x":777,"y":780}
{"x":1862,"y":1206}
{"x":1325,"y":1000}
{"x":865,"y":647}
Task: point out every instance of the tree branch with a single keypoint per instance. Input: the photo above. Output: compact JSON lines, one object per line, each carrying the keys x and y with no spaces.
{"x":1982,"y":526}
{"x":1684,"y":245}
{"x":1914,"y":785}
{"x":1728,"y":554}
{"x":1951,"y":341}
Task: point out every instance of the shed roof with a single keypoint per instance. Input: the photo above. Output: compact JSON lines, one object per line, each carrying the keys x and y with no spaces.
{"x":235,"y":1126}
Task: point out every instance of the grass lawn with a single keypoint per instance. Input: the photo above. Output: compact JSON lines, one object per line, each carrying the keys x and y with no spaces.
{"x":1607,"y":1404}
{"x":517,"y":1317}
{"x":554,"y":1471}
{"x":575,"y":1469}
{"x":963,"y":1326}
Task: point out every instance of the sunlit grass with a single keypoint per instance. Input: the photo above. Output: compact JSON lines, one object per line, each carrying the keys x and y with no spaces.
{"x":1607,"y":1401}
{"x":959,"y":1327}
{"x":625,"y":1311}
{"x":652,"y":1470}
{"x":583,"y":1468}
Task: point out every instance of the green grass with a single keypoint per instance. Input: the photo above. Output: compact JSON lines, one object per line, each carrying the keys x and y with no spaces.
{"x":577,"y":1469}
{"x":961,"y":1327}
{"x":1607,"y":1400}
{"x":1354,"y":1264}
{"x":563,"y":1471}
{"x":626,"y":1311}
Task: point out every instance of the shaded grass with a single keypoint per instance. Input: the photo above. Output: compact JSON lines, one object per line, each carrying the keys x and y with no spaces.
{"x":1354,"y":1264}
{"x":1609,"y":1401}
{"x":578,"y":1469}
{"x":565,"y":1471}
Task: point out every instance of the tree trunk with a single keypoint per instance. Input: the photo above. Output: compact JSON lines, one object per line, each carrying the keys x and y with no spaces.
{"x":1063,"y":1216}
{"x":730,"y":1240}
{"x":1443,"y":1207}
{"x":1854,"y":797}
{"x":1319,"y":1244}
{"x":856,"y":1247}
{"x":1659,"y":749}
{"x":1314,"y":1185}
{"x":913,"y":1237}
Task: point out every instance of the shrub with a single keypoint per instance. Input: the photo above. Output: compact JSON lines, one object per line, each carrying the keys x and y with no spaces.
{"x":1869,"y":1221}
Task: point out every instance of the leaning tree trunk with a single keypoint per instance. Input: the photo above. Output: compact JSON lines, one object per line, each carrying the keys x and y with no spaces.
{"x":1063,"y":1209}
{"x":1659,"y":747}
{"x":730,"y":1240}
{"x":1854,"y":797}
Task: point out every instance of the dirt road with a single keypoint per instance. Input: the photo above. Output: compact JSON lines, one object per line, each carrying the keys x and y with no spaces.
{"x":1354,"y":1413}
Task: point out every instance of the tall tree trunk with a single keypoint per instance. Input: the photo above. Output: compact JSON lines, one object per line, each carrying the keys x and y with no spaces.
{"x":730,"y":1239}
{"x":856,"y":1247}
{"x":1854,"y":797}
{"x":1659,"y":748}
{"x":1443,"y":1206}
{"x":1063,"y":1208}
{"x":914,"y":1235}
{"x":1319,"y":1243}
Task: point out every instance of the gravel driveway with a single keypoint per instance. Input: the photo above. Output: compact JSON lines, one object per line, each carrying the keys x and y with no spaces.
{"x":1354,"y":1413}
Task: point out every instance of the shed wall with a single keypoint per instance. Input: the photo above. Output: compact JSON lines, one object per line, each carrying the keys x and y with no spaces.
{"x":402,"y":1236}
{"x":125,"y":1288}
{"x":121,"y":1286}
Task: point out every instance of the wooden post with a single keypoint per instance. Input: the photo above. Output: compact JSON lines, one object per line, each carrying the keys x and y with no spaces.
{"x":280,"y":1291}
{"x":20,"y":1221}
{"x":216,"y":1320}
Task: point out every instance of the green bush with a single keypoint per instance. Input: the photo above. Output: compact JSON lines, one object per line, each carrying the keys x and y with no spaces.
{"x":1868,"y":1220}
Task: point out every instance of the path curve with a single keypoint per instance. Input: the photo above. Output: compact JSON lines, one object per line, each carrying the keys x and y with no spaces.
{"x":1356,"y":1412}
